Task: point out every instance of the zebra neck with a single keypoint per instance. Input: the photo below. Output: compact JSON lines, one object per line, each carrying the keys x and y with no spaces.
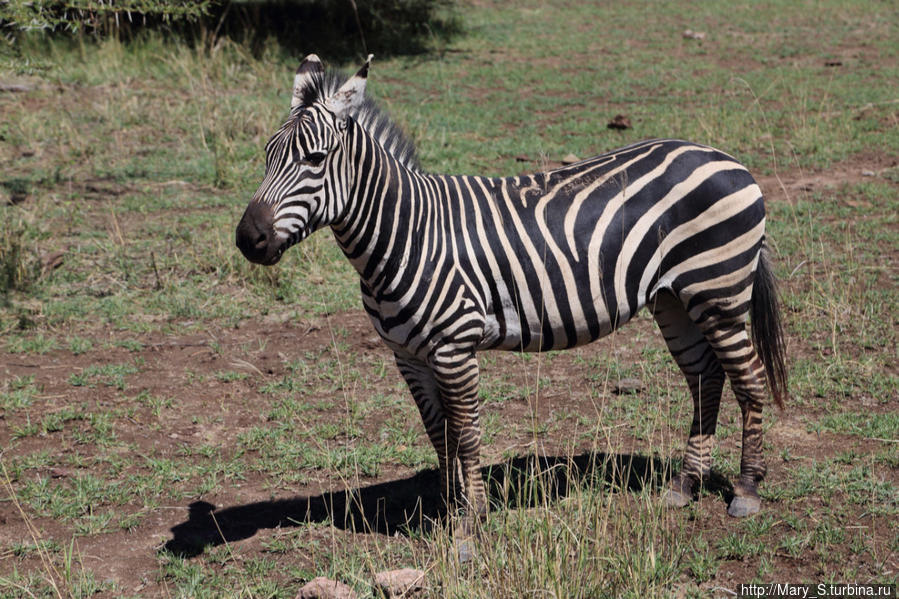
{"x":390,"y":216}
{"x":402,"y":226}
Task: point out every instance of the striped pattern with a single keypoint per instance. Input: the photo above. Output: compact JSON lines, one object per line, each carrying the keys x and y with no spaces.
{"x":451,"y":265}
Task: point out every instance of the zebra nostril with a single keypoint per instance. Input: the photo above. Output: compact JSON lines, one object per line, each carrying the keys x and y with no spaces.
{"x":261,"y":241}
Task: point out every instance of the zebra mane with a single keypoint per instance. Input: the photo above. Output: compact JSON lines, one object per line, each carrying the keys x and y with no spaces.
{"x":369,"y":116}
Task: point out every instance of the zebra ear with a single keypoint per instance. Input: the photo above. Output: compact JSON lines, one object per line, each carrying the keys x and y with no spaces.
{"x":350,"y":94}
{"x":306,"y":72}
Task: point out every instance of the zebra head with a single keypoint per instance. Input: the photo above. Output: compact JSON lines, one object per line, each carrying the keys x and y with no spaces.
{"x":307,"y":172}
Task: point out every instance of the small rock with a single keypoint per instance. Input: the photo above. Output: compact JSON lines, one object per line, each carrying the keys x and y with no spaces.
{"x":372,"y":342}
{"x":627,"y":386}
{"x":14,"y":87}
{"x":308,"y":327}
{"x":570,"y":159}
{"x":406,"y":582}
{"x":53,"y":261}
{"x":325,"y":588}
{"x":619,"y":122}
{"x":689,"y":34}
{"x":867,"y":173}
{"x":277,"y":317}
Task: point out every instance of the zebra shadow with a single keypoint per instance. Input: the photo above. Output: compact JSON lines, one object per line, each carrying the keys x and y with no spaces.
{"x":413,"y":504}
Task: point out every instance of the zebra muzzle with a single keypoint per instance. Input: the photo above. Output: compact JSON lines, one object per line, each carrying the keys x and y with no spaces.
{"x":256,"y":234}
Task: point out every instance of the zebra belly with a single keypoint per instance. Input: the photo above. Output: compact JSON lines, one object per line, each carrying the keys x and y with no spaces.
{"x":510,"y":330}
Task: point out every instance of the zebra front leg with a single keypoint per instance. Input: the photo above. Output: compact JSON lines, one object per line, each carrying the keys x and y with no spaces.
{"x":457,"y":377}
{"x":420,"y":379}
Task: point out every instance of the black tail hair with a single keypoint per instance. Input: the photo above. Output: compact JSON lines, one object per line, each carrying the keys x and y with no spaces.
{"x":767,"y":328}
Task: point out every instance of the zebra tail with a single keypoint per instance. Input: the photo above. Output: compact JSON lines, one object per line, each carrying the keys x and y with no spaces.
{"x":767,"y":328}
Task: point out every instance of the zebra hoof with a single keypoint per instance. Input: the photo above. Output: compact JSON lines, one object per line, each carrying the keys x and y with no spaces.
{"x":677,"y":499}
{"x":463,"y":537}
{"x":740,"y":506}
{"x":465,"y":551}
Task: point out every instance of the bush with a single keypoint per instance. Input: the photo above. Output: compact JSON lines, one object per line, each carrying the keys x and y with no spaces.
{"x":340,"y":29}
{"x":336,"y":29}
{"x":97,"y":17}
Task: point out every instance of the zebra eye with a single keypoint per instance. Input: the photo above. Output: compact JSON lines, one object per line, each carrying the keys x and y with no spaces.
{"x":315,"y":158}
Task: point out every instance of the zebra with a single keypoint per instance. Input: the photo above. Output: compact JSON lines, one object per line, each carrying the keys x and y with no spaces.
{"x":451,"y":265}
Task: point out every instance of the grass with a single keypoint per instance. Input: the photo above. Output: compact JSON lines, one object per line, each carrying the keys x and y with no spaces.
{"x":19,"y":267}
{"x":155,"y":368}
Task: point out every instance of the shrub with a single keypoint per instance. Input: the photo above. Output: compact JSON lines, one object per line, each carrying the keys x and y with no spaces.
{"x":344,"y":29}
{"x":96,"y":17}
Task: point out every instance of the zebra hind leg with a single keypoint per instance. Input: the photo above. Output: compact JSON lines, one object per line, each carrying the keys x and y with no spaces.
{"x":746,"y":373}
{"x":705,"y":378}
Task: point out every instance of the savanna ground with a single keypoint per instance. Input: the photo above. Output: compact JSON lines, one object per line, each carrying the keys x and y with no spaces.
{"x":148,"y":375}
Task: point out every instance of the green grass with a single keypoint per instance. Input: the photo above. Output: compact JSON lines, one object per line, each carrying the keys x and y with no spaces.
{"x":111,"y":375}
{"x":884,"y":427}
{"x":19,"y":266}
{"x":18,"y":392}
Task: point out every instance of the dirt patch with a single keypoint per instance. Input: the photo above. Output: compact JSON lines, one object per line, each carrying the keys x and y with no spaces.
{"x":131,"y":557}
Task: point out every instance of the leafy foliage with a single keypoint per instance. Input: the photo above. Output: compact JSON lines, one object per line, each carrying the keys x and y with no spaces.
{"x":98,"y":17}
{"x":341,"y":28}
{"x":331,"y":27}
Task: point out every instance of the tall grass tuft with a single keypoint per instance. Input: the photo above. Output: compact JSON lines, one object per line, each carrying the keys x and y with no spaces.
{"x":561,"y":530}
{"x":19,"y":264}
